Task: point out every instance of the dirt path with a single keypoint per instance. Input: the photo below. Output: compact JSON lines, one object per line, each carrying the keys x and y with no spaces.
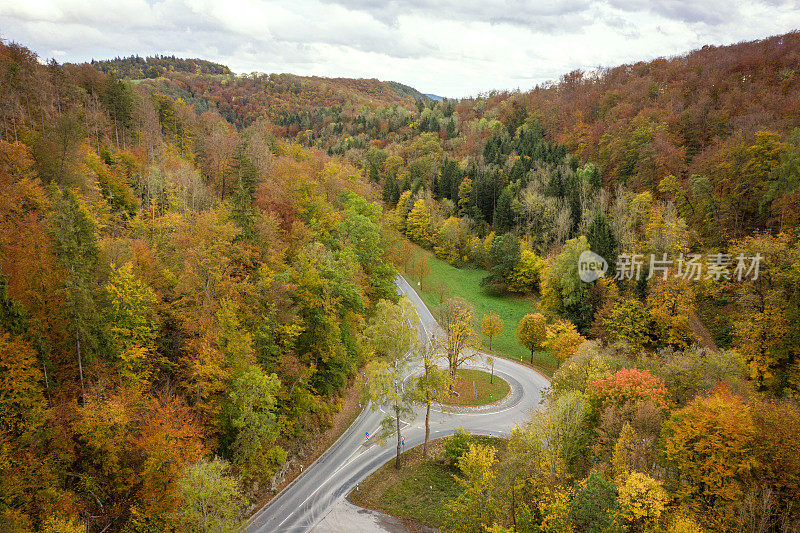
{"x":704,"y":337}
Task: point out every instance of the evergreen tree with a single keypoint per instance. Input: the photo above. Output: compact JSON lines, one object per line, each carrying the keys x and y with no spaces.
{"x":504,"y":255}
{"x":75,"y":240}
{"x":601,"y":238}
{"x":504,"y":214}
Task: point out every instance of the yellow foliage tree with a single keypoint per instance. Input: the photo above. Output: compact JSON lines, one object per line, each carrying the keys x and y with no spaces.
{"x":684,"y":524}
{"x":710,"y":447}
{"x":449,"y":241}
{"x":63,"y":525}
{"x":22,"y":405}
{"x":525,"y":276}
{"x":642,"y":500}
{"x":464,"y":194}
{"x":763,"y":331}
{"x":475,"y":507}
{"x":563,"y":339}
{"x":455,"y":317}
{"x":623,"y":457}
{"x":492,"y":326}
{"x":532,"y":332}
{"x":418,"y":224}
{"x":132,"y":321}
{"x":555,"y":512}
{"x":402,"y":209}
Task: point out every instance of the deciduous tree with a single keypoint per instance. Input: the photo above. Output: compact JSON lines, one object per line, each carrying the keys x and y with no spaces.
{"x":433,"y":385}
{"x":628,"y":385}
{"x":455,"y":318}
{"x":563,"y":292}
{"x":532,"y":332}
{"x":492,"y":326}
{"x":392,"y":334}
{"x":709,"y":446}
{"x":642,"y":501}
{"x":253,"y":426}
{"x":475,"y":508}
{"x":563,"y":339}
{"x":211,"y":498}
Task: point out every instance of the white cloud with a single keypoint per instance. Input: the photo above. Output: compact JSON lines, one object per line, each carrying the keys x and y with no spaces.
{"x":453,"y":48}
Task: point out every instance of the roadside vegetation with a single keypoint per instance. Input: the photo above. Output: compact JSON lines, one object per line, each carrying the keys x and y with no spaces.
{"x":421,"y":489}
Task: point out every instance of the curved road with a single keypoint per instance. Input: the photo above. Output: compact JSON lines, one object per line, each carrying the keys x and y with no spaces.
{"x":299,"y":506}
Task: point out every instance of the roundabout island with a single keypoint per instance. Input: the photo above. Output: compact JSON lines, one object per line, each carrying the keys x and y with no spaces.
{"x":477,"y":387}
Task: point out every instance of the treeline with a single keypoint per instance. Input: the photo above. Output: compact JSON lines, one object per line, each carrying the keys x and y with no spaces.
{"x":137,"y":68}
{"x":181,"y":303}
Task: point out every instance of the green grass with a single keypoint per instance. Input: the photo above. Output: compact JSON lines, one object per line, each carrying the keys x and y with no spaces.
{"x":466,"y":283}
{"x":488,"y":389}
{"x":421,"y":488}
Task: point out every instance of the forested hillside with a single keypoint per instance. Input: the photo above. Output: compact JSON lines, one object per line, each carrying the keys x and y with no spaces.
{"x":188,"y":258}
{"x":172,"y":290}
{"x":313,"y":106}
{"x":719,"y":117}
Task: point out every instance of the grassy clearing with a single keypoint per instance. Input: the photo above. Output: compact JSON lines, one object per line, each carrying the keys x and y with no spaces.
{"x":488,"y":390}
{"x":445,"y":280}
{"x":421,"y":488}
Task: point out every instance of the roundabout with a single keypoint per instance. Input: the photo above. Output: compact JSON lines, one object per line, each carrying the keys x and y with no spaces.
{"x":352,"y":458}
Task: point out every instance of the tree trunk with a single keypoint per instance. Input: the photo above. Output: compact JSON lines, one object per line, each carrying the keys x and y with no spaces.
{"x":427,"y":429}
{"x":531,"y":355}
{"x":80,"y":363}
{"x":397,"y":420}
{"x":46,"y":382}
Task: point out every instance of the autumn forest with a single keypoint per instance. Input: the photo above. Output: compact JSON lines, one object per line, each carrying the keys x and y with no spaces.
{"x":190,"y":260}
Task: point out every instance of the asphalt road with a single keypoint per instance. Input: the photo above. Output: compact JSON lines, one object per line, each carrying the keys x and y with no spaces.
{"x":353,"y":457}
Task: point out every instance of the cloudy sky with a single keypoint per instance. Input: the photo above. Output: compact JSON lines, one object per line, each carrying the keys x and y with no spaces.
{"x":453,"y":48}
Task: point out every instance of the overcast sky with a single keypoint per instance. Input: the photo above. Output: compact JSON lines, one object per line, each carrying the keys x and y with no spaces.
{"x":453,"y":48}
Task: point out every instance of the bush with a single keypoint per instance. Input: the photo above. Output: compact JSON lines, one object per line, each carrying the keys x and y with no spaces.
{"x":594,"y":506}
{"x":628,"y":385}
{"x":456,"y":446}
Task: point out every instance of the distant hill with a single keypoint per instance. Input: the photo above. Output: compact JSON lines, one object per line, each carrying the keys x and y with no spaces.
{"x":135,"y":67}
{"x":681,"y":116}
{"x":435,"y":97}
{"x":283,"y":98}
{"x":405,"y":90}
